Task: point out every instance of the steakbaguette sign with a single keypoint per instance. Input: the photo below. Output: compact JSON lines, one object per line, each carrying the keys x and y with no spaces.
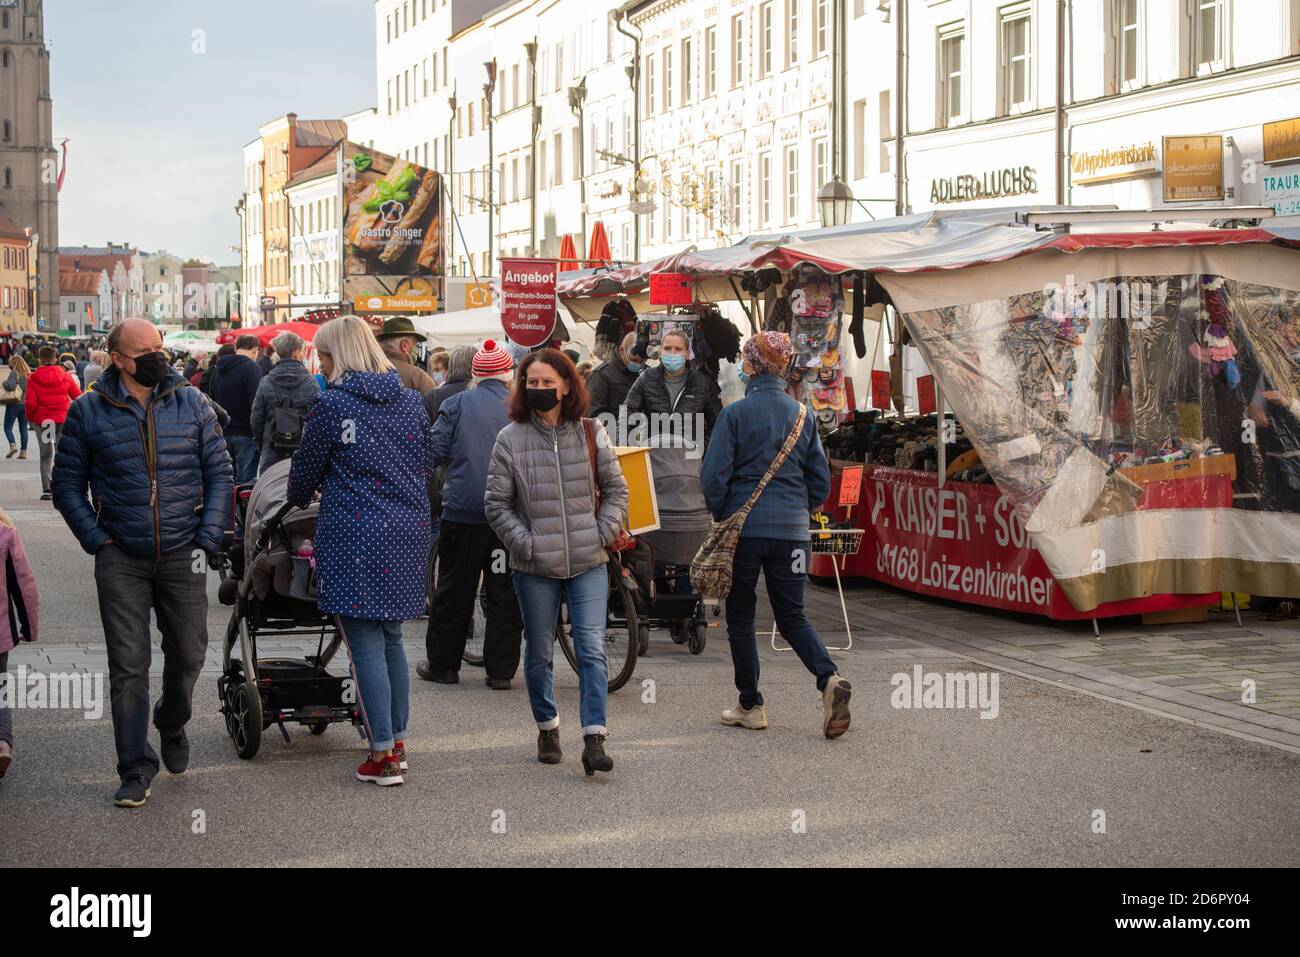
{"x":528,"y":302}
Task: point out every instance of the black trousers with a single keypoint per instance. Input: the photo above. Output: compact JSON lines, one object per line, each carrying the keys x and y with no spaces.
{"x":464,"y":553}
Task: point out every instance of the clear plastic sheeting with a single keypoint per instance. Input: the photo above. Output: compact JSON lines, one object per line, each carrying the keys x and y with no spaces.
{"x":1146,"y":427}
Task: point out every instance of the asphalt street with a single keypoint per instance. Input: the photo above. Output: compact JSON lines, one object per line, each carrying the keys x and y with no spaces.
{"x":904,"y":787}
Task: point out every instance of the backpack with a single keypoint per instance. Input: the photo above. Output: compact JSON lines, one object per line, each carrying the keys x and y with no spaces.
{"x":286,"y":424}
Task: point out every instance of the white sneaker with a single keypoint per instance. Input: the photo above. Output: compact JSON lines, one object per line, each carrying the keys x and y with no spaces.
{"x":835,"y":706}
{"x":754,"y":718}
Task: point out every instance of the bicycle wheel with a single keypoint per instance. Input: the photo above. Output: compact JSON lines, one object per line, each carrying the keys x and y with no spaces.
{"x":621,"y":631}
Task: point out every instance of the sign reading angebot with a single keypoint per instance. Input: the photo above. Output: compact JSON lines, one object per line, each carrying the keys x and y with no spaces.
{"x":528,"y":302}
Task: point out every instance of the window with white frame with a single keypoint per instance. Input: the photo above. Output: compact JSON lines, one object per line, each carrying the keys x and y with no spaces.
{"x":668,"y":78}
{"x":821,"y":167}
{"x":952,"y":69}
{"x":710,"y":60}
{"x":765,"y":39}
{"x":1207,"y":32}
{"x":737,"y":50}
{"x":1128,"y":30}
{"x":791,"y":33}
{"x":765,"y":189}
{"x":792,"y":184}
{"x":1017,"y":58}
{"x":821,"y":26}
{"x":650,"y":85}
{"x":559,"y":65}
{"x":688,"y":77}
{"x":557,"y":166}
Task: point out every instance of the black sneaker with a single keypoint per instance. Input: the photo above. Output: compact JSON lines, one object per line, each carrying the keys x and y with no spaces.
{"x":548,"y":746}
{"x":46,"y":497}
{"x":498,"y":684}
{"x":427,"y":672}
{"x":175,"y":749}
{"x":133,"y":792}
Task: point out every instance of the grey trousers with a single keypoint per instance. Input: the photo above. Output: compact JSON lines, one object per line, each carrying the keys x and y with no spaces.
{"x":47,"y":450}
{"x":128,"y":587}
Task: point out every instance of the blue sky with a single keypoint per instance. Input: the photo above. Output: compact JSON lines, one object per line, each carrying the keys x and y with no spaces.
{"x":157,"y":130}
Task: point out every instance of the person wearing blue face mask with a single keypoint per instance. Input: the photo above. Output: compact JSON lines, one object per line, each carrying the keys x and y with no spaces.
{"x":610,"y":381}
{"x":676,"y":387}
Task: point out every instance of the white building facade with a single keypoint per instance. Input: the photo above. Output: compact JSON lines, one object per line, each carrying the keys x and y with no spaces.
{"x":1220,"y":76}
{"x":315,"y":229}
{"x":252,"y":280}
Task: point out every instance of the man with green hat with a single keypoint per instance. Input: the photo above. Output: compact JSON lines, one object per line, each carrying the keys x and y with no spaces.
{"x":399,"y":339}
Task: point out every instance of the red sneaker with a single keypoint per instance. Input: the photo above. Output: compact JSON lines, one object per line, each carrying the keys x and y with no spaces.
{"x":383,"y":772}
{"x":399,"y":752}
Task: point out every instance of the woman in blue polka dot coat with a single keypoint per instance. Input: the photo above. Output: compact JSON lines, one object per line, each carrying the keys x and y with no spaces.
{"x":367,"y":446}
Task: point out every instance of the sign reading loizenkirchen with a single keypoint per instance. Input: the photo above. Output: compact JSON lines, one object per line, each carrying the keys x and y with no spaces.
{"x":991,"y":185}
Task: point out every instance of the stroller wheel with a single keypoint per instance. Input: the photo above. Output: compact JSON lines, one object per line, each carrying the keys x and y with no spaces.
{"x":696,"y":636}
{"x":643,"y":640}
{"x":318,"y":727}
{"x":244,"y":718}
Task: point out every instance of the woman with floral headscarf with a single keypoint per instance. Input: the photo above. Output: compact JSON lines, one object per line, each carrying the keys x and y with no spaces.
{"x":747,"y":438}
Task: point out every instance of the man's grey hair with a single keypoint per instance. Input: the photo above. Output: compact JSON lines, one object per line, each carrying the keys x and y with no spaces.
{"x":287,"y":344}
{"x":98,"y":356}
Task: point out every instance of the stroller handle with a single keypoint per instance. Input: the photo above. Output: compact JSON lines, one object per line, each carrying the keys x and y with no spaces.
{"x":272,"y":524}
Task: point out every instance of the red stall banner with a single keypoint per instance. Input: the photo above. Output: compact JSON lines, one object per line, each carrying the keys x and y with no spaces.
{"x":925,"y":394}
{"x":528,"y":302}
{"x":880,"y":389}
{"x":965,"y":542}
{"x":671,"y":289}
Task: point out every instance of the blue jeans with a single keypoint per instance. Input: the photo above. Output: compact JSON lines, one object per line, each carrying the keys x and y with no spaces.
{"x":539,"y":601}
{"x":16,"y":414}
{"x":776,"y":559}
{"x":383,"y":681}
{"x":243,"y":456}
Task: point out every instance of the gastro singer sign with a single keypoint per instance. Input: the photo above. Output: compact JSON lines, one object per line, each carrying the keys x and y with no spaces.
{"x":528,"y":301}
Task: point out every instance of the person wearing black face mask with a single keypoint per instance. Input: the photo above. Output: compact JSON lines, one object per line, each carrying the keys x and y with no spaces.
{"x":146,"y":447}
{"x":557,"y":499}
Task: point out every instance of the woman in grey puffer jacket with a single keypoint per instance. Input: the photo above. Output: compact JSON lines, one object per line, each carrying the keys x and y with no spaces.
{"x":540,"y":501}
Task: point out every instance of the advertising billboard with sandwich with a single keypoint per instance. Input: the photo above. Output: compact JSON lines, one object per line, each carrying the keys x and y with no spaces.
{"x":392,"y":233}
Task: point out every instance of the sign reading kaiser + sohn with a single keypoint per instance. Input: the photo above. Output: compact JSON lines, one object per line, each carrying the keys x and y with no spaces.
{"x":528,"y":302}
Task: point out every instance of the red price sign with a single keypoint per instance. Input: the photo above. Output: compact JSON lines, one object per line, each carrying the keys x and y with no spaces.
{"x":671,"y":289}
{"x":925,"y":393}
{"x":880,"y":390}
{"x":850,"y":485}
{"x":528,"y":302}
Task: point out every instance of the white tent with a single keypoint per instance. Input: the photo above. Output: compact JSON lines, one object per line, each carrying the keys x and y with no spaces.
{"x":470,"y":327}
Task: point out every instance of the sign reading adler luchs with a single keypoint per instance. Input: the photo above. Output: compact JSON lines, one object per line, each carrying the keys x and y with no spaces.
{"x":991,"y":185}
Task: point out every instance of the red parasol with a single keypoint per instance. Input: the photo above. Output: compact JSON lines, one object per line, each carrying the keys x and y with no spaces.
{"x":598,"y":253}
{"x":306,"y":330}
{"x":568,"y":254}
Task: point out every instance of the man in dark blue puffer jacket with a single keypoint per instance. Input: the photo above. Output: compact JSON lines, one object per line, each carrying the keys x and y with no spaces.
{"x":147,"y":446}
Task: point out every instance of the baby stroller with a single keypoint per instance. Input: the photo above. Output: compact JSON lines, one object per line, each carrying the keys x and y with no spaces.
{"x":272,"y":593}
{"x":684,"y":522}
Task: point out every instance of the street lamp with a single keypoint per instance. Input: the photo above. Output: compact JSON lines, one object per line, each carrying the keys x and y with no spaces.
{"x":835,"y":201}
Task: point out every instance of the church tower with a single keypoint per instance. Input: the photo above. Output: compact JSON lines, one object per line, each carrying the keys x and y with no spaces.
{"x":28,"y":163}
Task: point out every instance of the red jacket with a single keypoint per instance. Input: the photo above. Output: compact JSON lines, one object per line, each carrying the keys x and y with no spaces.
{"x":50,"y":391}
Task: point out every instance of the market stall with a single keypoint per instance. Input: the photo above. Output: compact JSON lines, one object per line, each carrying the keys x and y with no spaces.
{"x":1126,"y":435}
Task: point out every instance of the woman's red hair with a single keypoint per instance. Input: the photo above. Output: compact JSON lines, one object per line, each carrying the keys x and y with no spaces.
{"x":572,"y":407}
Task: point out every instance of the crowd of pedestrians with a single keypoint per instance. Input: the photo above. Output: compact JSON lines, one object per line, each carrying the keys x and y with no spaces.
{"x":489,"y":483}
